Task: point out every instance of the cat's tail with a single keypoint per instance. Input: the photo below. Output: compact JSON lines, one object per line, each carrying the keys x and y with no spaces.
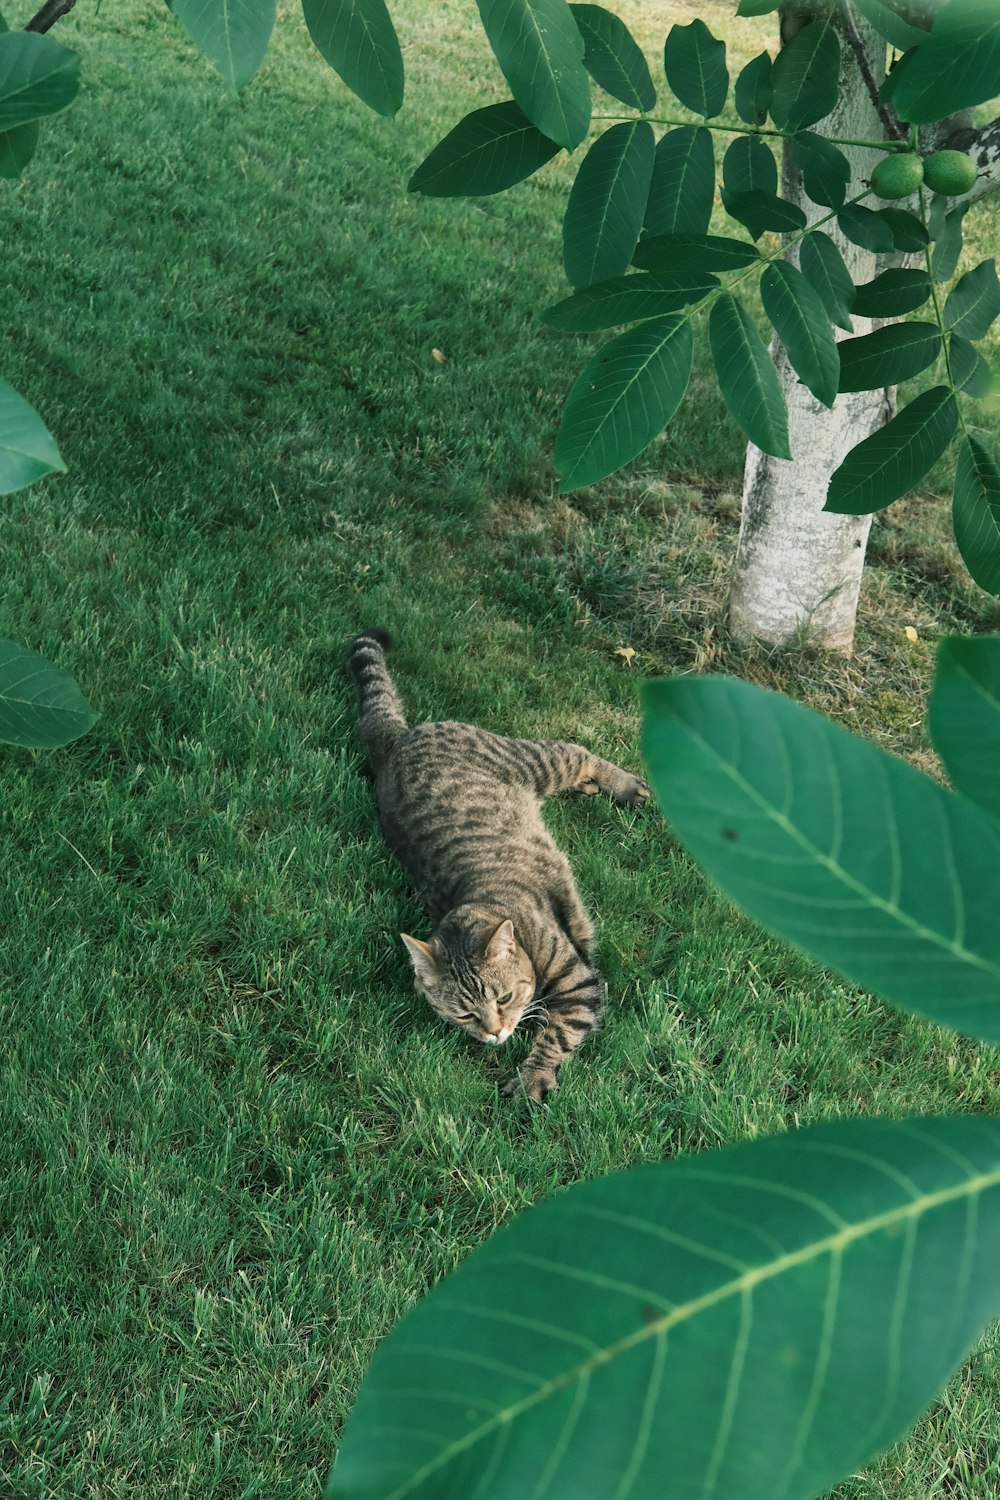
{"x":380,"y":712}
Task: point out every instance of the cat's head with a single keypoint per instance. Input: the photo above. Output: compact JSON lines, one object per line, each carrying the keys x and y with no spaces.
{"x":484,"y":986}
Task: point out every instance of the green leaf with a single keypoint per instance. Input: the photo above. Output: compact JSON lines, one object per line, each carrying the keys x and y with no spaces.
{"x":974,"y":302}
{"x":806,"y":77}
{"x":626,"y":299}
{"x":232,"y":34}
{"x":957,"y":66}
{"x":678,"y":253}
{"x":761,"y":212}
{"x":41,"y":706}
{"x":976,"y":514}
{"x":747,"y":378}
{"x":613,"y":58}
{"x":963,"y":716}
{"x":865,"y":228}
{"x":17,"y":147}
{"x":948,"y":243}
{"x":825,"y":170}
{"x":749,"y":164}
{"x":823,"y":266}
{"x":887,"y":356}
{"x":695,"y":64}
{"x":488,"y":151}
{"x":892,"y":293}
{"x":969,"y":370}
{"x":757,"y":7}
{"x":683,"y":185}
{"x":623,"y":400}
{"x":752,"y":1322}
{"x":884,"y":466}
{"x":796,"y":310}
{"x":840,"y":848}
{"x":540,"y":51}
{"x":38,"y":77}
{"x":607,"y":203}
{"x":754,"y":89}
{"x":27,"y":451}
{"x":889,"y":24}
{"x":358,"y":40}
{"x":908,"y":234}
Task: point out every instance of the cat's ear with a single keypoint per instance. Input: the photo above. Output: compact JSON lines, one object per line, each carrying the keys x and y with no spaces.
{"x":424,"y":958}
{"x":501,"y":945}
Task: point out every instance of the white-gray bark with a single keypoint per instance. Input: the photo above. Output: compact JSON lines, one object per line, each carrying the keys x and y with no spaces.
{"x":798,"y":570}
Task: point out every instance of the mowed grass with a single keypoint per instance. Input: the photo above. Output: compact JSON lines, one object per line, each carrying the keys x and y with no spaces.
{"x":236,"y":1147}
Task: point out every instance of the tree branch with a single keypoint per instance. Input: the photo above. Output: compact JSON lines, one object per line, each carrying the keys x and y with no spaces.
{"x":893,"y":129}
{"x":983,"y":147}
{"x":50,"y":13}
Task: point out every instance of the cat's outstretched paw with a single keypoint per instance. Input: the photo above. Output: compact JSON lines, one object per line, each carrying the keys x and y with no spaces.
{"x":537,"y":1089}
{"x":633,"y":794}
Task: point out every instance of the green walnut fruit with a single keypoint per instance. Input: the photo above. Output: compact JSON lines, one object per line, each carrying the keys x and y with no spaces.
{"x":949,"y":172}
{"x":899,"y":175}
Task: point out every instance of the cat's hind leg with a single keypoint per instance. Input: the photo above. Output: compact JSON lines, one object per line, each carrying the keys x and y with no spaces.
{"x":553,"y":766}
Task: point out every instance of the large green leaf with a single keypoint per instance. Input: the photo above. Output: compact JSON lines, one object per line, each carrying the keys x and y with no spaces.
{"x":626,"y":299}
{"x":889,"y":355}
{"x":623,"y":399}
{"x":908,"y":233}
{"x":890,"y":462}
{"x":38,"y":77}
{"x":864,"y":227}
{"x":823,"y":265}
{"x":613,"y":58}
{"x":41,"y":706}
{"x":753,"y":1323}
{"x":800,"y":320}
{"x":825,"y":170}
{"x":17,"y":147}
{"x":747,"y":378}
{"x":963,"y":716}
{"x":947,"y":240}
{"x":837,"y":846}
{"x":540,"y":51}
{"x":359,"y":41}
{"x":683,"y":184}
{"x":749,"y":164}
{"x":890,"y":25}
{"x":753,"y":89}
{"x":695,"y":64}
{"x":892,"y":293}
{"x":806,"y":77}
{"x":676,"y":253}
{"x":607,"y":203}
{"x":969,"y":370}
{"x":976,"y":513}
{"x":488,"y":151}
{"x":957,"y":66}
{"x":974,"y":301}
{"x":233,"y":34}
{"x":760,"y":212}
{"x":27,"y":451}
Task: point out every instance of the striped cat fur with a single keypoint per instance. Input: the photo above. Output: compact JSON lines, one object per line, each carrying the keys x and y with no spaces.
{"x":460,"y":808}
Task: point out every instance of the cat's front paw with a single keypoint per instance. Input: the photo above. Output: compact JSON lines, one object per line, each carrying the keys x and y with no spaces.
{"x":633,"y":794}
{"x":536,"y":1087}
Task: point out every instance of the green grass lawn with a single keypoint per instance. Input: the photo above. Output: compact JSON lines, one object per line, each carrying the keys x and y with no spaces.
{"x":235,"y":1144}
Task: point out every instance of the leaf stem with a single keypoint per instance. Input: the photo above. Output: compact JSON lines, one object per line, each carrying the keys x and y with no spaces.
{"x":783,"y":135}
{"x":939,"y":319}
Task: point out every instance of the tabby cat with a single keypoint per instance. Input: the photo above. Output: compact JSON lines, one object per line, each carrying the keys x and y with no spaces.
{"x":460,"y":808}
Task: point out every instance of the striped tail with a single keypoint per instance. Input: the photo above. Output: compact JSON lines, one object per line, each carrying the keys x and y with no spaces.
{"x":380,"y":712}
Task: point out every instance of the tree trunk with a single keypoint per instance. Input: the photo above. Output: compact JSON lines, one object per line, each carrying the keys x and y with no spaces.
{"x":798,"y":571}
